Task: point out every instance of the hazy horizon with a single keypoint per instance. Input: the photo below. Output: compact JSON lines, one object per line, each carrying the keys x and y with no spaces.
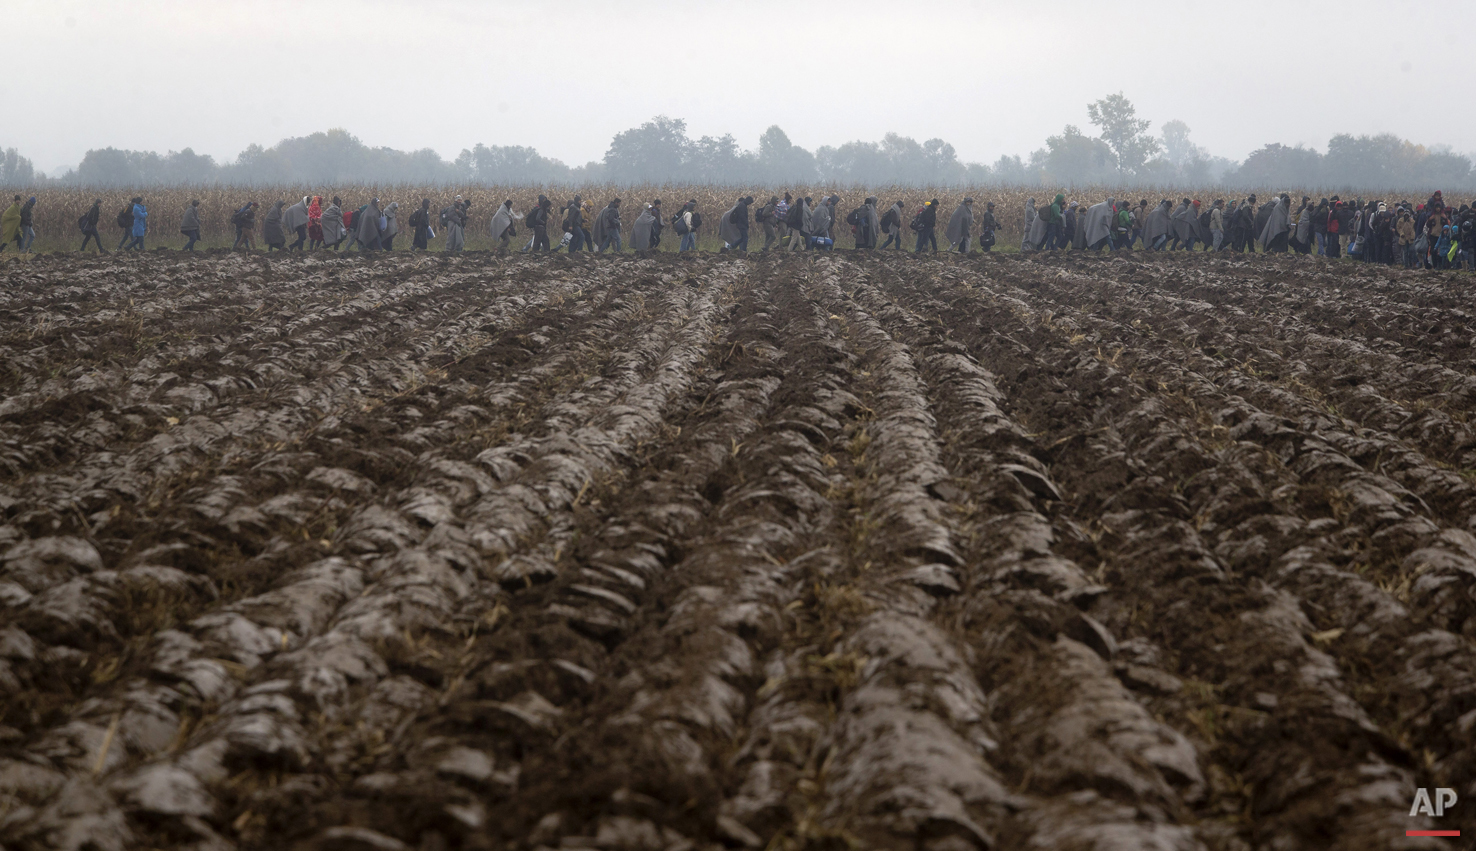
{"x":165,"y":75}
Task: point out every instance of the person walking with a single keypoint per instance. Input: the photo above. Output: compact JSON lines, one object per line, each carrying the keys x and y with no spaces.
{"x":733,"y":226}
{"x":1055,"y":218}
{"x":315,"y":223}
{"x":1404,"y":234}
{"x":244,"y":221}
{"x":607,"y":228}
{"x":781,"y":218}
{"x":1274,"y":235}
{"x":124,"y":221}
{"x":1217,"y":224}
{"x":573,"y":224}
{"x":140,"y":225}
{"x":271,"y":228}
{"x":391,"y":220}
{"x":27,"y":228}
{"x":867,"y":226}
{"x":685,"y":223}
{"x":768,"y":216}
{"x":420,"y":226}
{"x":502,"y":224}
{"x":1098,"y":224}
{"x":891,"y":225}
{"x":822,"y":218}
{"x":988,"y":224}
{"x":10,"y":224}
{"x":797,"y":220}
{"x":455,"y":220}
{"x":189,"y":224}
{"x":640,"y":232}
{"x":88,"y":225}
{"x":1070,"y":225}
{"x":538,"y":223}
{"x":958,"y":227}
{"x":927,"y":225}
{"x":367,"y":227}
{"x":334,"y":231}
{"x":295,"y":220}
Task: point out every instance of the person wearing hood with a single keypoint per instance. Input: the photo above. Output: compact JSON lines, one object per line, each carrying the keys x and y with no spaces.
{"x":140,"y":225}
{"x":891,"y":225}
{"x":640,"y":232}
{"x":189,"y":224}
{"x":1098,"y":224}
{"x":88,"y":225}
{"x":366,"y":227}
{"x":988,"y":224}
{"x":1243,"y":226}
{"x":502,"y":223}
{"x":822,"y":217}
{"x":1069,"y":224}
{"x":315,"y":223}
{"x":538,"y":224}
{"x":1140,"y":220}
{"x":1159,"y":227}
{"x":607,"y":228}
{"x":456,"y":219}
{"x":868,"y":224}
{"x":295,"y":220}
{"x":733,"y":226}
{"x":685,"y":223}
{"x":334,"y":232}
{"x":959,"y":225}
{"x":10,"y":224}
{"x":798,"y":222}
{"x":927,"y":227}
{"x":1404,"y":236}
{"x":1183,"y":227}
{"x":573,"y":224}
{"x":391,"y":221}
{"x":271,"y":228}
{"x":659,"y":225}
{"x":1274,"y":234}
{"x":420,"y":232}
{"x":1030,"y":219}
{"x":244,"y":221}
{"x":1319,"y":226}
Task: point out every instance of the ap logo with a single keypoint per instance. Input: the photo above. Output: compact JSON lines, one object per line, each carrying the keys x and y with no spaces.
{"x":1424,"y":806}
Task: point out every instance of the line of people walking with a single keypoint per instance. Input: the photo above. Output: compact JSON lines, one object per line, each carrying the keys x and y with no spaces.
{"x":1430,"y":235}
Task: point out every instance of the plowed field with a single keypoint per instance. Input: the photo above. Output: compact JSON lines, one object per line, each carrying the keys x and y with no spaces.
{"x":1058,"y":552}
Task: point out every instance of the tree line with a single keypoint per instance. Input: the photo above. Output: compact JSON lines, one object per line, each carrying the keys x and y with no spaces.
{"x":1122,"y":151}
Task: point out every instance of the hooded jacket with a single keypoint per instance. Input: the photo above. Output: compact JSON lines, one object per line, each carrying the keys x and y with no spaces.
{"x":140,"y":220}
{"x":271,"y":225}
{"x":959,"y":224}
{"x":501,"y":220}
{"x":295,"y":216}
{"x":640,"y":232}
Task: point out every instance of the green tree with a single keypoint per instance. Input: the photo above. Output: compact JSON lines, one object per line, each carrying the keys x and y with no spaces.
{"x":1125,"y":133}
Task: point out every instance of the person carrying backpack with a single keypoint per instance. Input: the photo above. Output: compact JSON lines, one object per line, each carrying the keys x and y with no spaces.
{"x":988,"y":224}
{"x":189,"y":224}
{"x":419,"y":222}
{"x":781,"y":217}
{"x":538,"y":223}
{"x":959,"y":225}
{"x":607,"y":228}
{"x":573,"y":224}
{"x":798,"y":222}
{"x":891,"y":225}
{"x":244,"y":220}
{"x":685,"y":224}
{"x":124,"y":221}
{"x":733,"y":226}
{"x":140,"y":225}
{"x":334,"y":227}
{"x":88,"y":225}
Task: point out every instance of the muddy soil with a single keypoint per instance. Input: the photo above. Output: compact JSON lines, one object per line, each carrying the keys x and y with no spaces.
{"x":830,"y":552}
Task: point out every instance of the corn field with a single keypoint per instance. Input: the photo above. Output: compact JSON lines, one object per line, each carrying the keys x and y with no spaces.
{"x":57,"y":209}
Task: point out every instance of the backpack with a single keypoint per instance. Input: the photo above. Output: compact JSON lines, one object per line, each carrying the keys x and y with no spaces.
{"x":82,"y":223}
{"x":445,"y":216}
{"x":679,"y":224}
{"x":696,"y":221}
{"x":1204,"y":219}
{"x":916,"y":223}
{"x":853,"y":218}
{"x":125,"y":217}
{"x":796,"y":216}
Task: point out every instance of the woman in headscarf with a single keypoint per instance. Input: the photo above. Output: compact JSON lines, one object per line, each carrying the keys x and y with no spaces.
{"x":368,"y":227}
{"x":958,"y":227}
{"x":315,"y":223}
{"x":295,"y":220}
{"x":640,"y":233}
{"x":10,"y":224}
{"x":332,"y":223}
{"x":1278,"y":223}
{"x":391,"y":226}
{"x":271,"y":228}
{"x":502,"y":224}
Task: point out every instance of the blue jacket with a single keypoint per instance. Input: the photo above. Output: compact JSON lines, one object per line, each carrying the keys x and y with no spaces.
{"x":140,"y":220}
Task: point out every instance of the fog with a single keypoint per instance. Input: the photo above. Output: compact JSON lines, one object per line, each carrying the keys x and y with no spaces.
{"x":565,"y":78}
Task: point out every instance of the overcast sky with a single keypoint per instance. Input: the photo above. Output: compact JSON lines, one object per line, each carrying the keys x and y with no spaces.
{"x":165,"y":75}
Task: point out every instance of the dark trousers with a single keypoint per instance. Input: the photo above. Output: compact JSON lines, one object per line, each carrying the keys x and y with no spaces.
{"x":894,"y":238}
{"x":302,"y":238}
{"x":540,"y":238}
{"x":91,"y":234}
{"x":127,"y":235}
{"x":1053,"y":237}
{"x":925,"y":236}
{"x":192,"y":233}
{"x":576,"y":239}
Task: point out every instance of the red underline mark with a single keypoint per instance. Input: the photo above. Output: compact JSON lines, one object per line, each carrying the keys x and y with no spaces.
{"x":1432,"y":833}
